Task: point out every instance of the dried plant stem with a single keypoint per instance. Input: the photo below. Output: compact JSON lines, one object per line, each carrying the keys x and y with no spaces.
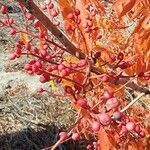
{"x":132,"y":102}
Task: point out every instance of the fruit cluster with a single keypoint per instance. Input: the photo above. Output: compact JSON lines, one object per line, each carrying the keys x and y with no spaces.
{"x":90,"y":82}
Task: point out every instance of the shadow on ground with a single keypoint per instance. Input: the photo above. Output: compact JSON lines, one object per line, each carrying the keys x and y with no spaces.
{"x":29,"y":139}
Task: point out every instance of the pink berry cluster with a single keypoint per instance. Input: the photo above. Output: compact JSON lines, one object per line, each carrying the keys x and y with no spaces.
{"x":53,"y":10}
{"x":109,"y":115}
{"x":93,"y":146}
{"x":64,"y":136}
{"x":88,"y":26}
{"x":47,"y":59}
{"x":45,"y":64}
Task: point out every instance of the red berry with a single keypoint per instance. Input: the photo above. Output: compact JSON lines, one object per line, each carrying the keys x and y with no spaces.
{"x":39,"y":72}
{"x":130,"y":126}
{"x":58,"y":80}
{"x":12,"y":57}
{"x":42,"y":35}
{"x":75,"y":136}
{"x":56,"y":23}
{"x":105,"y":119}
{"x":18,"y":51}
{"x":35,"y":50}
{"x":88,"y":17}
{"x":32,"y":61}
{"x":37,"y":23}
{"x":95,"y":144}
{"x":97,"y":55}
{"x":30,"y":17}
{"x":82,"y":102}
{"x":82,"y":63}
{"x":40,"y":90}
{"x":45,"y":46}
{"x":105,"y":78}
{"x":96,"y":126}
{"x":141,"y":74}
{"x":28,"y":46}
{"x":78,"y":21}
{"x":54,"y":14}
{"x":142,"y":134}
{"x":124,"y":130}
{"x":77,"y":12}
{"x":74,"y":65}
{"x":120,"y":56}
{"x":67,"y":70}
{"x":18,"y":45}
{"x":117,"y":115}
{"x":51,"y":6}
{"x":70,"y":16}
{"x":12,"y":32}
{"x":20,"y":5}
{"x":43,"y":53}
{"x":44,"y":78}
{"x":30,"y":72}
{"x":147,"y":75}
{"x":48,"y":57}
{"x":69,"y":27}
{"x":107,"y":94}
{"x":35,"y":68}
{"x":54,"y":67}
{"x":54,"y":48}
{"x":10,"y":21}
{"x":68,"y":89}
{"x":99,"y":36}
{"x":77,"y":88}
{"x":61,"y":67}
{"x":87,"y":7}
{"x":39,"y":64}
{"x":4,"y":9}
{"x":87,"y":30}
{"x":63,"y":136}
{"x":90,"y":23}
{"x":28,"y":67}
{"x":112,"y":103}
{"x":85,"y":25}
{"x":43,"y":7}
{"x":89,"y":147}
{"x":63,"y":73}
{"x":137,"y":128}
{"x":93,"y":13}
{"x":49,"y":68}
{"x":61,"y":52}
{"x":123,"y":65}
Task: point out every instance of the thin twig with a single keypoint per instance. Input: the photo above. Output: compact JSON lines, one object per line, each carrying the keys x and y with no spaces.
{"x":132,"y":102}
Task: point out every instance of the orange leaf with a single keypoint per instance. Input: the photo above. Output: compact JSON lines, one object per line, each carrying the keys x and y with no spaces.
{"x":99,"y":6}
{"x":146,"y":23}
{"x":122,"y":7}
{"x":106,"y":141}
{"x":24,"y":38}
{"x":42,"y":29}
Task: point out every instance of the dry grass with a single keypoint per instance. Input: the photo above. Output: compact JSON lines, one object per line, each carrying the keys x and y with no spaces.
{"x":31,"y":120}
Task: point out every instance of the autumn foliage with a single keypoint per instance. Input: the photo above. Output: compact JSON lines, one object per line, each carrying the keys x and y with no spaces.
{"x":95,"y":50}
